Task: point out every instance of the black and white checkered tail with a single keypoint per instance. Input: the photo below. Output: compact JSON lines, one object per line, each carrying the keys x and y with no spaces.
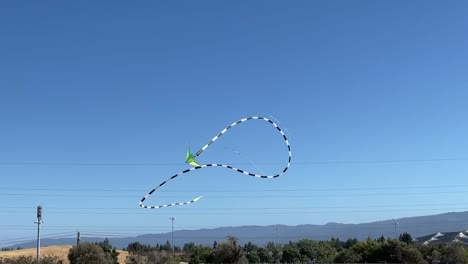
{"x":199,"y":152}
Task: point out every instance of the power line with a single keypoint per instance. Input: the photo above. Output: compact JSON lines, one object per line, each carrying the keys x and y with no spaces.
{"x":240,"y":196}
{"x":201,"y":212}
{"x":258,"y":163}
{"x":30,"y":239}
{"x":211,"y":236}
{"x":238,"y":190}
{"x":245,"y":208}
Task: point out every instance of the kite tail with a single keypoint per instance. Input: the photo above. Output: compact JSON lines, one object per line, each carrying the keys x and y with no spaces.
{"x":190,"y":159}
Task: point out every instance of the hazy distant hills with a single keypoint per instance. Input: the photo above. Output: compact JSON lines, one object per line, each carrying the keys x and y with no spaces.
{"x":417,"y":226}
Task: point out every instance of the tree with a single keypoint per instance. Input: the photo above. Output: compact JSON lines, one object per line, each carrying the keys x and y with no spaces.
{"x":158,"y":257}
{"x":326,"y":252}
{"x":369,"y":250}
{"x":406,"y":237}
{"x":276,"y":254}
{"x":136,"y":259}
{"x":271,"y":246}
{"x":167,"y":246}
{"x":250,"y":247}
{"x":138,"y":247}
{"x":253,"y":257}
{"x":348,"y":256}
{"x":455,"y":253}
{"x":201,"y":254}
{"x":228,"y":251}
{"x":307,"y":249}
{"x":408,"y":254}
{"x":265,"y":256}
{"x":109,"y":251}
{"x":290,"y":254}
{"x":350,"y":242}
{"x":435,"y":257}
{"x":337,"y":243}
{"x":432,"y":253}
{"x":88,"y":253}
{"x":188,"y":247}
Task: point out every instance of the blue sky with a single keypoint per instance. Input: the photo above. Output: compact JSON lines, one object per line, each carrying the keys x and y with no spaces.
{"x":99,"y":101}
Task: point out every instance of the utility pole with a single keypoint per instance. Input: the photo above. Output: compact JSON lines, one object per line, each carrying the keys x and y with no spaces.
{"x":276,"y":237}
{"x":39,"y":222}
{"x":77,"y":238}
{"x":395,"y":223}
{"x":173,"y":253}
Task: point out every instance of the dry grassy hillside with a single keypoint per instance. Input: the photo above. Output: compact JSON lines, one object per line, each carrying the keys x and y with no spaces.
{"x":60,"y":251}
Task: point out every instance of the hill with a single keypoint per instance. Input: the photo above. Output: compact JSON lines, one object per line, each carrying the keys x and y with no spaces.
{"x":416,"y":226}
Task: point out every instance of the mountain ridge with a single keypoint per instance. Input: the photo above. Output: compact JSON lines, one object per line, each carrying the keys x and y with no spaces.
{"x":417,"y":226}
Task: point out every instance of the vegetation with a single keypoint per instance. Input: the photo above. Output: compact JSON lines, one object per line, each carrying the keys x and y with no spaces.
{"x":380,"y":250}
{"x":50,"y":259}
{"x":97,"y":253}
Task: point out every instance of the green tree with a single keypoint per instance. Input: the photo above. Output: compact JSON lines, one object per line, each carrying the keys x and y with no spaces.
{"x":167,"y":246}
{"x":228,"y":251}
{"x":109,"y":251}
{"x":381,"y":239}
{"x":326,"y":252}
{"x":159,"y":257}
{"x":337,"y":243}
{"x":350,"y":242}
{"x":250,"y":247}
{"x":201,"y":254}
{"x":253,"y":257}
{"x":88,"y":253}
{"x":277,"y":254}
{"x":432,"y":253}
{"x":307,"y":249}
{"x":455,"y":253}
{"x":406,"y":238}
{"x":291,"y":254}
{"x":138,"y":247}
{"x":348,"y":256}
{"x":270,"y":246}
{"x":369,"y":250}
{"x":408,"y":254}
{"x":265,"y":256}
{"x":188,"y":247}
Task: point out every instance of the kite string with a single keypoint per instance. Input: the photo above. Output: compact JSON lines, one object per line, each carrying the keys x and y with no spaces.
{"x":245,"y":158}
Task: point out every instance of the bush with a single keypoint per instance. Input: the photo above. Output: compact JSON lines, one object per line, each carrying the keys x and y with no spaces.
{"x":49,"y":259}
{"x":88,"y":253}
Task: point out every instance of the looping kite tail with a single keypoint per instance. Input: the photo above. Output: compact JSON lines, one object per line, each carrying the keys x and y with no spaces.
{"x":190,"y":159}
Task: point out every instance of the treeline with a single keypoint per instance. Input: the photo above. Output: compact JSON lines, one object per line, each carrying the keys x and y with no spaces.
{"x":10,"y":249}
{"x":380,"y":250}
{"x":138,"y":247}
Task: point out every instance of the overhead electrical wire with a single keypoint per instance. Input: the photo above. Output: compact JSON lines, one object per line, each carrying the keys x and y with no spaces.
{"x":258,"y":163}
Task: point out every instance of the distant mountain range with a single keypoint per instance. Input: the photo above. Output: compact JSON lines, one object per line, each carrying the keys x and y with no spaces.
{"x":419,"y":227}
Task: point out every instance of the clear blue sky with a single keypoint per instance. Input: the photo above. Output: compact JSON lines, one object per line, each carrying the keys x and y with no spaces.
{"x":99,"y":101}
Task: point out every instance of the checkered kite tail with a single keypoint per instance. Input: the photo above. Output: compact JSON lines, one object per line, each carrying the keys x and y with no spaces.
{"x":191,"y":160}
